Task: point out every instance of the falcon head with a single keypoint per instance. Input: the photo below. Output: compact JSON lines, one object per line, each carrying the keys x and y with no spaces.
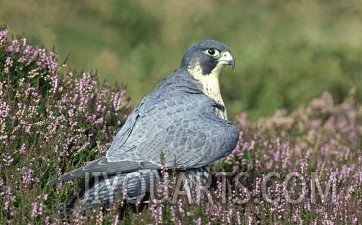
{"x":207,"y":57}
{"x":204,"y":61}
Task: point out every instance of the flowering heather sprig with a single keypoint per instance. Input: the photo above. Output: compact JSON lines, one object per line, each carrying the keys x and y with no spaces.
{"x":38,"y":206}
{"x":157,"y":212}
{"x":3,"y":34}
{"x":27,"y":176}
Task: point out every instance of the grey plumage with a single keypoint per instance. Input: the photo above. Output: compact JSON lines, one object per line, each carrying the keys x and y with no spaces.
{"x":184,"y":117}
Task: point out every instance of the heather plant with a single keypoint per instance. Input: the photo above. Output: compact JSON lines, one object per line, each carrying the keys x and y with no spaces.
{"x":310,"y":160}
{"x":50,"y":122}
{"x":300,"y":167}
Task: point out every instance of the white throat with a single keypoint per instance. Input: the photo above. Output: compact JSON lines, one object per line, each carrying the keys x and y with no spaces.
{"x":210,"y":85}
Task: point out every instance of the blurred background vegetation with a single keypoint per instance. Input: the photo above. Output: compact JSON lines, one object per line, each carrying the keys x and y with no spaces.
{"x":287,"y":52}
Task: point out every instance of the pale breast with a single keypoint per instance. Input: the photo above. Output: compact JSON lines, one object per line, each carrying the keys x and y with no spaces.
{"x":210,"y":87}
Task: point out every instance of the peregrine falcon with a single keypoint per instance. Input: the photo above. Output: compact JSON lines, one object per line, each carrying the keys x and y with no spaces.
{"x":183,"y":119}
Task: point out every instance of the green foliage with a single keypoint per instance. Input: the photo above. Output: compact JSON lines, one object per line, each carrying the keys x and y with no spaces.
{"x":286,"y":52}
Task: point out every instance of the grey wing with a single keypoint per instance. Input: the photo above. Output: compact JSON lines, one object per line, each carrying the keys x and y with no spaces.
{"x":185,"y":128}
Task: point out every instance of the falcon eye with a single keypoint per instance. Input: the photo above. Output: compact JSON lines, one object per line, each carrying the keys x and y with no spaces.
{"x":212,"y":52}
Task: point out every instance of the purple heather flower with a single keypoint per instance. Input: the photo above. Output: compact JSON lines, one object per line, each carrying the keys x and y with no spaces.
{"x":8,"y":62}
{"x":117,"y":100}
{"x":4,"y":109}
{"x":3,"y":34}
{"x":27,"y":176}
{"x":198,"y":221}
{"x":8,"y":199}
{"x":8,"y":159}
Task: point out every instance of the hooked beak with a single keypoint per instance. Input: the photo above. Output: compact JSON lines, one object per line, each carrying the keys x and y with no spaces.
{"x":227,"y":59}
